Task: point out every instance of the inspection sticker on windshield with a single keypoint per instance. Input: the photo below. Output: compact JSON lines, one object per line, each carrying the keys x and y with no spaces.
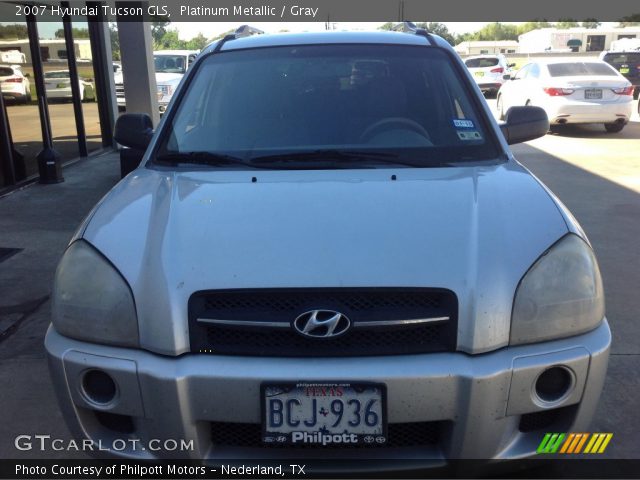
{"x":458,"y":123}
{"x":469,"y":135}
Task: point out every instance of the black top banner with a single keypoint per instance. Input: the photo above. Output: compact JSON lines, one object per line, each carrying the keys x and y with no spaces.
{"x":246,"y":11}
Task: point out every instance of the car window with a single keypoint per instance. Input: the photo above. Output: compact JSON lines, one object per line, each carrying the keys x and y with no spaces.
{"x":481,"y":62}
{"x":169,"y":63}
{"x":579,"y":69}
{"x":534,"y":71}
{"x":621,"y":58}
{"x":407,"y":100}
{"x":6,"y":71}
{"x":56,"y":75}
{"x":523,"y":72}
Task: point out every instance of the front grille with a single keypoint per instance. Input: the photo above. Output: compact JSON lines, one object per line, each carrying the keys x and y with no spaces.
{"x":359,"y":305}
{"x":415,"y":434}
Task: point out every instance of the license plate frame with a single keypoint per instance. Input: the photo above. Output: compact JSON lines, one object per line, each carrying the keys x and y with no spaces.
{"x":593,"y":94}
{"x":376,"y":436}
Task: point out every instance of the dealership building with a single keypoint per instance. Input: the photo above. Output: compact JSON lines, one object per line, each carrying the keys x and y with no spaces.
{"x":573,"y":39}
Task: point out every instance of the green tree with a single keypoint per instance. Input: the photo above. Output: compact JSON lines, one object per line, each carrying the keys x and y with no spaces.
{"x":530,"y":26}
{"x":13,"y":32}
{"x":496,"y":31}
{"x":198,"y":42}
{"x":567,"y":23}
{"x":115,"y":41}
{"x":630,"y":21}
{"x":77,"y":33}
{"x":159,"y":28}
{"x":591,"y":23}
{"x":169,"y":41}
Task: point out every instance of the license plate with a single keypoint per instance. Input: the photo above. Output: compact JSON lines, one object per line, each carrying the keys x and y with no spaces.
{"x":593,"y":93}
{"x":61,"y":85}
{"x":479,"y":74}
{"x":324,"y":414}
{"x":624,"y":69}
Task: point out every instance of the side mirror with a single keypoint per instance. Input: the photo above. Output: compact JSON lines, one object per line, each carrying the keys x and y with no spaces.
{"x":522,"y":124}
{"x":134,"y":130}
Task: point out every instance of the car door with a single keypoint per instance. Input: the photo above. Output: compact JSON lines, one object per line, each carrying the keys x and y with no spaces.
{"x":512,"y":93}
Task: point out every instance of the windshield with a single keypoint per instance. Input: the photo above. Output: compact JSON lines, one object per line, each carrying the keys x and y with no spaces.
{"x":580,"y":69}
{"x":349,"y":100}
{"x":621,"y":58}
{"x":481,"y":62}
{"x":170,"y":63}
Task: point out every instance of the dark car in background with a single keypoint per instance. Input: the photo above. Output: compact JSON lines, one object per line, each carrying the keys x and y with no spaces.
{"x":628,"y":64}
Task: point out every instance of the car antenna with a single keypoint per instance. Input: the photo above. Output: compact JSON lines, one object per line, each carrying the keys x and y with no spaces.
{"x":410,"y":27}
{"x":241,"y":31}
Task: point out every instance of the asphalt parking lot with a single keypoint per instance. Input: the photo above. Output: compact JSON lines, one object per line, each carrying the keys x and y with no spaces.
{"x":596,"y":174}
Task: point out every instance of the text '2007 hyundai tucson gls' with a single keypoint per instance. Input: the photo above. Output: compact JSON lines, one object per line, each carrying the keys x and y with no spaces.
{"x":329,"y":244}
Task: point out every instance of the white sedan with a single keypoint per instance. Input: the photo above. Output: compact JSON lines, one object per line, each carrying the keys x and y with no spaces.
{"x":58,"y":85}
{"x":571,"y":91}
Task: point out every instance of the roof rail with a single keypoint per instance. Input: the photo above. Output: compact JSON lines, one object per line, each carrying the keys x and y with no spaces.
{"x":410,"y":27}
{"x":246,"y":30}
{"x":241,"y":31}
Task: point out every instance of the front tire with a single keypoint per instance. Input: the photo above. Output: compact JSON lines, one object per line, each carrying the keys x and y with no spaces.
{"x":613,"y":127}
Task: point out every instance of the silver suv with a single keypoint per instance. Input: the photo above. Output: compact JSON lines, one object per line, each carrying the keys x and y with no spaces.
{"x":329,"y":244}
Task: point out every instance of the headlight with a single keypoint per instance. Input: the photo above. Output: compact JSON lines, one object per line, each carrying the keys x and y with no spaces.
{"x":561,"y":294}
{"x":91,"y":301}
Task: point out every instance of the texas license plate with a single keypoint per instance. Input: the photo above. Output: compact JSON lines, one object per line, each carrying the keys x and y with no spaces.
{"x":324,"y":414}
{"x":593,"y":93}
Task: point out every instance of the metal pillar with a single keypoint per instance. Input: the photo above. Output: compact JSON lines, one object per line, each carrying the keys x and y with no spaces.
{"x":137,"y":65}
{"x":49,"y":164}
{"x":6,"y":154}
{"x":103,"y":73}
{"x":75,"y":84}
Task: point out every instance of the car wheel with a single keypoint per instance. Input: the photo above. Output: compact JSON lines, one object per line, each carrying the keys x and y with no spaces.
{"x":500,"y":107}
{"x":613,"y":127}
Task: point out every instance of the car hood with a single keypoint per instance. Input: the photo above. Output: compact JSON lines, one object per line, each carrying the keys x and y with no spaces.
{"x":473,"y":230}
{"x":164,"y":78}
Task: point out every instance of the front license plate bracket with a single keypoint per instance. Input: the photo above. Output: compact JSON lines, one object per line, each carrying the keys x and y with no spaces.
{"x":324,"y":414}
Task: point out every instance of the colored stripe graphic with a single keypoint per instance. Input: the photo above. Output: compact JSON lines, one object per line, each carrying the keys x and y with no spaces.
{"x":573,"y":443}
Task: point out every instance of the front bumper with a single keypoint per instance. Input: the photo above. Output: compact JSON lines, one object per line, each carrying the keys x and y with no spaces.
{"x":484,"y":403}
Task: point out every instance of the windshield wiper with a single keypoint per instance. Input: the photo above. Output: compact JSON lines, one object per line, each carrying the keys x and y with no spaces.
{"x":202,"y":158}
{"x":334,"y":159}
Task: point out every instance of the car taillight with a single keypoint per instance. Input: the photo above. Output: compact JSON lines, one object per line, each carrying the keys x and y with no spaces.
{"x":497,"y":70}
{"x":14,"y":80}
{"x":623,"y":91}
{"x":558,"y":92}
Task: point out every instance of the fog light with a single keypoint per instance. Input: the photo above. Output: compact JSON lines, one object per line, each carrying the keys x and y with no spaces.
{"x":98,"y":387}
{"x":554,"y":384}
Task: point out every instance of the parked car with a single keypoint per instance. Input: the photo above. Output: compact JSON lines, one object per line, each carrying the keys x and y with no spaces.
{"x":628,"y":64}
{"x":571,"y":92}
{"x":14,"y":84}
{"x":489,"y":71}
{"x":170,"y":67}
{"x":329,"y":244}
{"x":57,"y":84}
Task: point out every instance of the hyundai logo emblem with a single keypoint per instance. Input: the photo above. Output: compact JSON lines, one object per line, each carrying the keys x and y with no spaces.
{"x":322,"y":324}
